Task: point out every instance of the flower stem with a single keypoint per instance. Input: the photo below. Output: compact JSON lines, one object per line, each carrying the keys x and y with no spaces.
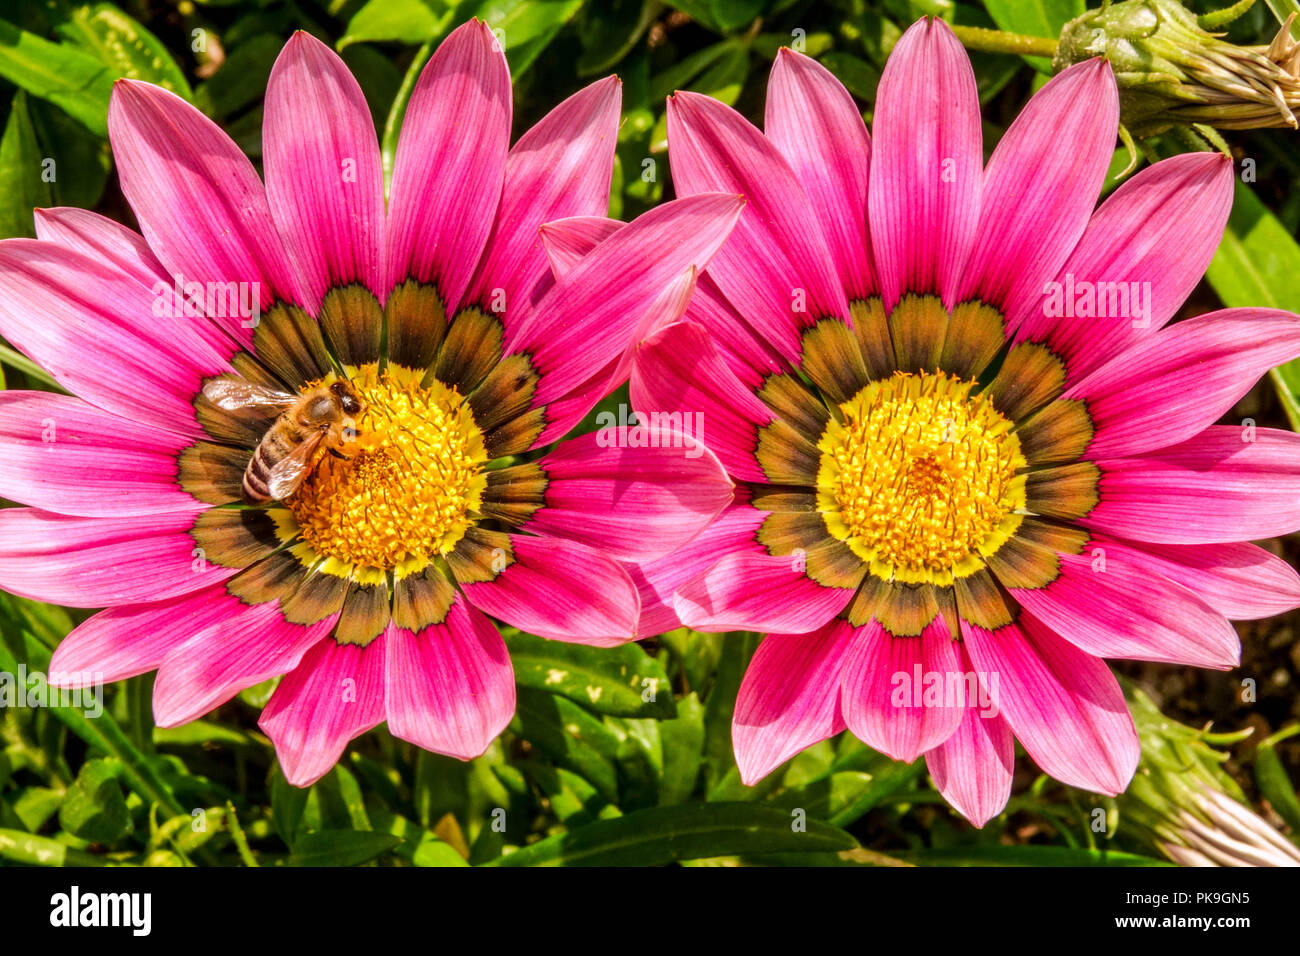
{"x":999,"y":41}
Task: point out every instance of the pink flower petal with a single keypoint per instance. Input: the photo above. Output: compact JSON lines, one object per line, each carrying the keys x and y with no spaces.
{"x":567,"y":241}
{"x":450,"y":688}
{"x":734,"y":529}
{"x":1139,"y":399}
{"x":133,"y":639}
{"x":776,"y":269}
{"x":333,"y":696}
{"x":95,"y":330}
{"x":1159,"y":230}
{"x":678,"y":370}
{"x":201,"y":207}
{"x":973,"y":768}
{"x":1225,"y":484}
{"x":1241,"y":581}
{"x":562,"y":590}
{"x":885,"y":692}
{"x":1040,"y":186}
{"x":608,"y":496}
{"x":927,"y":167}
{"x":560,"y":168}
{"x":450,"y":163}
{"x":816,"y":126}
{"x":324,"y":181}
{"x":98,"y":562}
{"x":1063,"y":705}
{"x":789,"y":698}
{"x":1108,"y":603}
{"x":253,"y":644}
{"x":103,"y":239}
{"x":63,"y":455}
{"x":757,"y":591}
{"x":588,"y":317}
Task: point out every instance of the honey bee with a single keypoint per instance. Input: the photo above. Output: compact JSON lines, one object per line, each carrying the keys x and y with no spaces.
{"x":323,"y":417}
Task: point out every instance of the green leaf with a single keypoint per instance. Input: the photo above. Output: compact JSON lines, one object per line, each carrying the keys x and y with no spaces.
{"x":95,"y":808}
{"x":75,"y":81}
{"x":287,"y":805}
{"x":1035,"y":18}
{"x":609,"y":30}
{"x":683,"y":748}
{"x":527,"y":26}
{"x":622,"y":682}
{"x":858,"y":76}
{"x":340,"y":847}
{"x":570,"y":736}
{"x":1258,"y":264}
{"x":735,"y":14}
{"x":241,"y":78}
{"x":81,"y":159}
{"x":22,"y":187}
{"x":124,"y":45}
{"x":1274,"y":785}
{"x":401,"y":21}
{"x":662,"y":835}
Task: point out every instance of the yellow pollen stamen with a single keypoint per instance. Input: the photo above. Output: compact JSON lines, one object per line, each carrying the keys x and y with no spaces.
{"x":413,"y":479}
{"x":920,"y":478}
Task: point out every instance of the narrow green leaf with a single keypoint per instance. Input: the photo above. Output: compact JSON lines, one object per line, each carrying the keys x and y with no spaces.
{"x":662,"y":835}
{"x":1025,"y":856}
{"x":340,"y":847}
{"x":1276,"y":788}
{"x":22,"y":184}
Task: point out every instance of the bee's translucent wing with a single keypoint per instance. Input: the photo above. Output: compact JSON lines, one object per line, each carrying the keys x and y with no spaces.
{"x":234,"y":394}
{"x":290,"y":470}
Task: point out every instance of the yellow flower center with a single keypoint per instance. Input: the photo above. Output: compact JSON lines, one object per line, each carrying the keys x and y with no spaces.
{"x":920,"y":478}
{"x":411,"y":482}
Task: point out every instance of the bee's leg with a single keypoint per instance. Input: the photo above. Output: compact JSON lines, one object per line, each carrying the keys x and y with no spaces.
{"x":338,"y":454}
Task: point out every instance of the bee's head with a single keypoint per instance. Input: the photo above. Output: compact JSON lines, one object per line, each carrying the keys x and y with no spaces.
{"x":347,"y":396}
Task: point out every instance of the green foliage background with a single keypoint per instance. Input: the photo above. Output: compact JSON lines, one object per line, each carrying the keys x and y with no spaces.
{"x":593,"y":769}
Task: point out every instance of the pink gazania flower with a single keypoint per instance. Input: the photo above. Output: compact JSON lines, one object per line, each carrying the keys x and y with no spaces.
{"x":368,"y":584}
{"x":967,"y":447}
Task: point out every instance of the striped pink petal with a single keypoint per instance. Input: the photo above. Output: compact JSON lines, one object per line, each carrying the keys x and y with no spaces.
{"x":1139,"y":399}
{"x":609,"y":497}
{"x":814,"y":123}
{"x":757,"y":591}
{"x":334,"y":695}
{"x":449,"y":688}
{"x":63,"y":455}
{"x":974,"y":767}
{"x":1156,"y":234}
{"x":324,"y":182}
{"x":898,"y":693}
{"x":927,"y":166}
{"x":679,"y":370}
{"x":1040,"y":186}
{"x":450,"y":163}
{"x":1063,"y":704}
{"x":789,"y":698}
{"x":201,"y":207}
{"x":562,"y":590}
{"x":560,"y":168}
{"x":99,"y":562}
{"x":1224,"y":484}
{"x":134,"y":639}
{"x":252,"y":644}
{"x":776,"y":269}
